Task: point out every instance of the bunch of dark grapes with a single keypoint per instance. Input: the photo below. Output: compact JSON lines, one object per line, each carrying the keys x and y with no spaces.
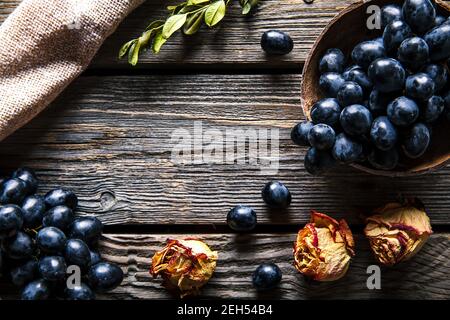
{"x":382,"y":102}
{"x":41,"y":238}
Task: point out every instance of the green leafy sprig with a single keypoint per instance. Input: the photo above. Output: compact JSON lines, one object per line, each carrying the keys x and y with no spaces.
{"x":187,"y":17}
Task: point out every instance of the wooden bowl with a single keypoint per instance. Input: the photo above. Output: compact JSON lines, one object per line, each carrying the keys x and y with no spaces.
{"x":344,"y":32}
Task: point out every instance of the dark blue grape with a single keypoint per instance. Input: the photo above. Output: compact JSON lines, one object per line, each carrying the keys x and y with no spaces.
{"x":390,"y":13}
{"x":387,"y":75}
{"x":419,"y":14}
{"x":52,"y":268}
{"x":276,"y":195}
{"x":13,"y":191}
{"x":346,"y":149}
{"x":367,"y":52}
{"x":438,"y":41}
{"x":438,"y":73}
{"x":330,"y":83}
{"x":29,"y":177}
{"x":104,"y":277}
{"x":356,"y":120}
{"x":326,"y":111}
{"x":357,"y":74}
{"x":350,"y":93}
{"x":59,"y":217}
{"x":36,"y":290}
{"x":432,"y":109}
{"x":439,"y":20}
{"x":332,"y":61}
{"x":11,"y":220}
{"x":88,"y":229}
{"x":51,"y":240}
{"x":19,"y":246}
{"x":420,"y":86}
{"x":380,"y":41}
{"x":77,"y":253}
{"x":416,"y":141}
{"x":394,"y":34}
{"x":276,"y":42}
{"x":299,"y":134}
{"x":267,"y":276}
{"x":383,"y":133}
{"x":81,"y":292}
{"x":241,"y":218}
{"x":413,"y":52}
{"x":321,"y":136}
{"x":33,"y":208}
{"x":317,"y":162}
{"x":60,"y":196}
{"x":403,"y":111}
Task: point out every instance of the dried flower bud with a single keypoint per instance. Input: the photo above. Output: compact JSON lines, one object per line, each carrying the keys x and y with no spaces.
{"x":324,"y":248}
{"x":397,"y":232}
{"x":186,"y":265}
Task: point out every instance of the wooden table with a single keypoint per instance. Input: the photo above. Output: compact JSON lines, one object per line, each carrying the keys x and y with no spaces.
{"x":108,"y":137}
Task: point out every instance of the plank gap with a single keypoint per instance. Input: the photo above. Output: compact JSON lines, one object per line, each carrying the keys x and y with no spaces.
{"x":191,"y":69}
{"x":224,"y":229}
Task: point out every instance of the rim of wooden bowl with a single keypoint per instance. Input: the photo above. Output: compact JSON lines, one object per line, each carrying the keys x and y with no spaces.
{"x":310,"y":84}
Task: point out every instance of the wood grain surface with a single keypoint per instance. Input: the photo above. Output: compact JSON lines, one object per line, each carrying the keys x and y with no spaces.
{"x":110,"y":139}
{"x":423,"y":277}
{"x":234,"y":43}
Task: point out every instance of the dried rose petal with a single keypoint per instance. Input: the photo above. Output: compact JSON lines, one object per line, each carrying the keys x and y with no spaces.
{"x":324,"y":248}
{"x":397,"y":232}
{"x":186,"y":264}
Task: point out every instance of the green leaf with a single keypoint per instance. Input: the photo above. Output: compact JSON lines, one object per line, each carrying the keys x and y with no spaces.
{"x":158,"y":42}
{"x":177,"y":8}
{"x":247,"y":8}
{"x":193,"y":23}
{"x":215,"y":13}
{"x":155,"y":24}
{"x":124,"y":49}
{"x":133,"y":54}
{"x":196,"y":2}
{"x":248,"y":5}
{"x":146,"y":37}
{"x":173,"y":24}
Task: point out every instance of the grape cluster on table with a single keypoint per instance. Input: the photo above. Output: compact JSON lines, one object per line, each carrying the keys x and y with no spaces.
{"x":41,"y":238}
{"x":382,"y":103}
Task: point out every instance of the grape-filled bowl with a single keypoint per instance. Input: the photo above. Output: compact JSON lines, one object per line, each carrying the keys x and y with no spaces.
{"x":390,"y":96}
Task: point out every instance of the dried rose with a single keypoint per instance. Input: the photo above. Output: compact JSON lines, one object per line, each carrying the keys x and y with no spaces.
{"x":186,"y":265}
{"x":324,"y":248}
{"x":397,"y":232}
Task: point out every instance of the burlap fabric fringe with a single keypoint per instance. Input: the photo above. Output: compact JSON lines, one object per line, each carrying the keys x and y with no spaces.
{"x":44,"y":45}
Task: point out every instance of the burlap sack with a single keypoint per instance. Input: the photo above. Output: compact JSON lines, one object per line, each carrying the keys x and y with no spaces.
{"x":44,"y":45}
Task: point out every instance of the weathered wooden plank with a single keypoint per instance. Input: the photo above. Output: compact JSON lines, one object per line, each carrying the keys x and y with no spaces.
{"x":109,"y":139}
{"x":6,"y":7}
{"x":426,"y":276}
{"x":236,"y":41}
{"x":240,"y":255}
